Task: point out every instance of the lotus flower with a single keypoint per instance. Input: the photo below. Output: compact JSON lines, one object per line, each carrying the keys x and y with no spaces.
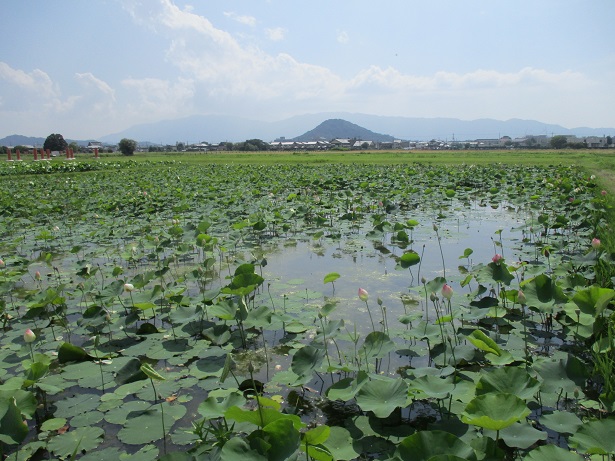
{"x":497,"y":258}
{"x":521,"y":297}
{"x":595,"y":243}
{"x":447,"y":291}
{"x":363,"y":294}
{"x":29,"y":336}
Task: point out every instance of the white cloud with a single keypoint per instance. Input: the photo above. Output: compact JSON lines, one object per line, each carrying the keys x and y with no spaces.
{"x":228,"y":76}
{"x":25,"y":88}
{"x":243,"y":19}
{"x":155,"y":99}
{"x":342,"y":37}
{"x":276,"y":34}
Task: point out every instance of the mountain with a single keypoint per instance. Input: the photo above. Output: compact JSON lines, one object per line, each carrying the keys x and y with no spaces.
{"x":217,"y":128}
{"x":19,"y":140}
{"x":337,"y":128}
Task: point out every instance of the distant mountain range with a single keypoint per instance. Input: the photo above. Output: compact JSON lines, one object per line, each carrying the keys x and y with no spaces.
{"x":218,"y":128}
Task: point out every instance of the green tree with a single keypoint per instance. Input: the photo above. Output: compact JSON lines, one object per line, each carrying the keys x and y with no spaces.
{"x":127,"y":146}
{"x":74,"y":146}
{"x":55,"y":142}
{"x":558,"y":142}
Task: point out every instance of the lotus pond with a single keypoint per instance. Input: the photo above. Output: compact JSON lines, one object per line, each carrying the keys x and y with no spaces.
{"x":158,"y":310}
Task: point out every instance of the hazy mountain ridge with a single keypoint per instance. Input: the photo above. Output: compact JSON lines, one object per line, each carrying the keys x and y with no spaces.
{"x":218,"y":128}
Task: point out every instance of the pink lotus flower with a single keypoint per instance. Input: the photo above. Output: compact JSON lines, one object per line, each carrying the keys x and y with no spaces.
{"x":596,"y":243}
{"x":1,"y":262}
{"x":37,"y":276}
{"x":29,"y":336}
{"x":447,"y":291}
{"x":497,"y":258}
{"x":363,"y":294}
{"x":521,"y":297}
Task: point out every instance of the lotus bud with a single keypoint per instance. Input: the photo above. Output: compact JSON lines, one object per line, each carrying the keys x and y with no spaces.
{"x":432,"y":297}
{"x":603,"y":193}
{"x":37,"y":276}
{"x":129,"y":287}
{"x":521,"y":297}
{"x":363,"y":294}
{"x":595,"y":243}
{"x":423,"y":280}
{"x":447,"y":291}
{"x":2,"y":263}
{"x":497,"y":258}
{"x":29,"y":336}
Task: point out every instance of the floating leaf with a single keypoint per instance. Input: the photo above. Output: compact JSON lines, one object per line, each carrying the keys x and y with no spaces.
{"x":382,"y":396}
{"x":426,"y":445}
{"x":595,"y":437}
{"x":495,"y":411}
{"x":511,"y":380}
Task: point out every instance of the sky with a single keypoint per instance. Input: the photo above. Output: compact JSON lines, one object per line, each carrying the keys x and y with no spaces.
{"x":86,"y":69}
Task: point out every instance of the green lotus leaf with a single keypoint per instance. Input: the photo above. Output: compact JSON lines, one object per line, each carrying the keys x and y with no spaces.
{"x":82,"y":439}
{"x":346,"y":389}
{"x":595,"y":437}
{"x":434,"y":386}
{"x":522,"y":435}
{"x":376,"y":345}
{"x":424,"y":445}
{"x":543,"y":293}
{"x":306,"y":360}
{"x":284,"y":439}
{"x":483,"y":342}
{"x":511,"y":380}
{"x":409,"y":259}
{"x":215,"y":407}
{"x":495,"y":411}
{"x":331,"y":277}
{"x":593,"y":300}
{"x":13,"y":429}
{"x":261,"y":417}
{"x":562,"y":375}
{"x":561,"y":421}
{"x":341,"y":445}
{"x":145,"y":426}
{"x":130,"y":372}
{"x":382,"y":396}
{"x":552,"y":453}
{"x":238,"y":449}
{"x":70,"y":353}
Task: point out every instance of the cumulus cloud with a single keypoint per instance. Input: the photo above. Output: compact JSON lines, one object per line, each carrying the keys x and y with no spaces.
{"x":243,"y":19}
{"x":224,"y":74}
{"x":276,"y":34}
{"x":21,"y":88}
{"x":157,"y":98}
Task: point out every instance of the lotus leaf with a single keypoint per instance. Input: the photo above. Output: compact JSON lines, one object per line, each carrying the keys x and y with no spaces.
{"x":494,"y":411}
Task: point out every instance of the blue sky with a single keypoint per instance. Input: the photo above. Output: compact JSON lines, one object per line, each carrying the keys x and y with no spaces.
{"x":90,"y":68}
